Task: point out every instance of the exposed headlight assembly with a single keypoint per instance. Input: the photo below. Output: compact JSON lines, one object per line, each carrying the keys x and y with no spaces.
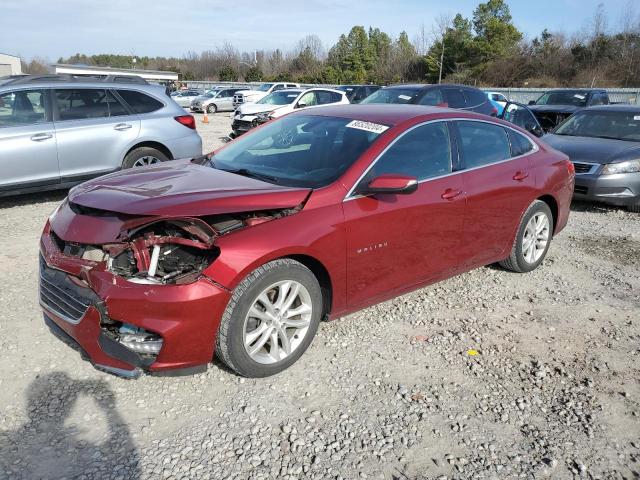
{"x":630,"y":166}
{"x":55,"y":212}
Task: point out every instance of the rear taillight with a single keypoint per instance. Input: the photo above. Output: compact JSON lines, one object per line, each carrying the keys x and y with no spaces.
{"x":187,"y":120}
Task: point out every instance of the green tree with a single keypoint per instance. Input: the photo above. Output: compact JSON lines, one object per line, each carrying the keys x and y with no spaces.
{"x":496,"y":35}
{"x":254,"y":74}
{"x":228,"y":74}
{"x":353,"y":55}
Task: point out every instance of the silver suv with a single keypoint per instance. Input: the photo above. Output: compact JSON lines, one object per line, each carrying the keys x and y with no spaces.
{"x":56,"y":131}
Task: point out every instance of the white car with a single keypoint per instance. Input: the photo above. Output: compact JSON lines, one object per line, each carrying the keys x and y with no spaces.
{"x":281,"y":102}
{"x":253,"y":95}
{"x":498,"y":100}
{"x":185,"y":97}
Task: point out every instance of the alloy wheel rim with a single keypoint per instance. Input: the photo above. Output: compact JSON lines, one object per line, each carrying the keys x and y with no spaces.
{"x":146,"y":160}
{"x":277,"y":322}
{"x":535,"y":238}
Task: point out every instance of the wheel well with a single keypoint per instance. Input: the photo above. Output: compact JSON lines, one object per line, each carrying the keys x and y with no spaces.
{"x":323,"y":277}
{"x":156,"y":145}
{"x":553,"y":205}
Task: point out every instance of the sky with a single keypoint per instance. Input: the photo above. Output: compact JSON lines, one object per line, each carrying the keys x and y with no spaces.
{"x":60,"y":28}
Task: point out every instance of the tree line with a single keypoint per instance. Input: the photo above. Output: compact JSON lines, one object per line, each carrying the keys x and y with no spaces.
{"x":485,"y":50}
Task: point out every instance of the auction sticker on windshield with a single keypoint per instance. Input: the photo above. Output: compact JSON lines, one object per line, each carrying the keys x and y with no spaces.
{"x":367,"y":126}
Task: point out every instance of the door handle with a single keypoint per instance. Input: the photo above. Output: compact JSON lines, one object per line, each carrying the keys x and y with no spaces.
{"x":38,"y":137}
{"x":450,"y":193}
{"x":519,"y":176}
{"x":122,"y":126}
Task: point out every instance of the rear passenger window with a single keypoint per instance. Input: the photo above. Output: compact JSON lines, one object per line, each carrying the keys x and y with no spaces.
{"x":324,"y":97}
{"x":482,"y":143}
{"x":454,"y":98}
{"x":474,"y":97}
{"x":82,"y":103}
{"x":433,"y":98}
{"x":424,"y":152}
{"x":519,"y":144}
{"x":140,"y":102}
{"x":116,"y":108}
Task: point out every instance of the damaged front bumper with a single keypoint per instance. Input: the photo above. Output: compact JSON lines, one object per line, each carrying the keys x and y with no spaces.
{"x":89,"y":307}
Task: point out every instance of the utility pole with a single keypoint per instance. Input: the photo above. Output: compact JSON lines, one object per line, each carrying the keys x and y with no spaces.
{"x":441,"y":61}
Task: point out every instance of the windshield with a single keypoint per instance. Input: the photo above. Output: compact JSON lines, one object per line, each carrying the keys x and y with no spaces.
{"x":603,"y":124}
{"x":280,"y":97}
{"x":300,"y":150}
{"x":564,"y":97}
{"x":392,"y":95}
{"x":264,"y":87}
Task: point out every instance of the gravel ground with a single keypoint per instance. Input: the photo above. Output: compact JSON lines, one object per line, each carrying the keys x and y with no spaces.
{"x":487,"y":375}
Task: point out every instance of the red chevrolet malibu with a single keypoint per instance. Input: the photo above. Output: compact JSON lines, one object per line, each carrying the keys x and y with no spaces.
{"x":320,"y":213}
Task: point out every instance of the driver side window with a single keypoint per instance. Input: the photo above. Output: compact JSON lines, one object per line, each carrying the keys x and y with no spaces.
{"x":424,"y":152}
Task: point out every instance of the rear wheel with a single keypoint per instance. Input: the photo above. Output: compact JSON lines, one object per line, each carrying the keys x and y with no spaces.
{"x":532,"y":240}
{"x":270,"y":320}
{"x":143,"y":156}
{"x":212,"y":108}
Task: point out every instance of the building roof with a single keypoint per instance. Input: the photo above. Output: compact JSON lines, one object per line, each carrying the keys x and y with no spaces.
{"x":135,"y":71}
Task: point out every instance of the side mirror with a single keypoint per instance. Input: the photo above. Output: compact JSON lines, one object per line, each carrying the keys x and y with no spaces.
{"x":531,"y":102}
{"x":535,"y":130}
{"x":390,"y":183}
{"x":301,"y":105}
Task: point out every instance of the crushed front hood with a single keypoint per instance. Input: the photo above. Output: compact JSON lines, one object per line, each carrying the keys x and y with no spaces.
{"x":554,"y":108}
{"x":181,"y":188}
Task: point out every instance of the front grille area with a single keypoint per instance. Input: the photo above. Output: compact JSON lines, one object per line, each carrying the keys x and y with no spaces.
{"x":63,"y":297}
{"x":580,"y":189}
{"x":582,"y":167}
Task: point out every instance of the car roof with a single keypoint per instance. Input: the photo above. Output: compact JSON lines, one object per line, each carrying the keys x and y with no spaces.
{"x":292,"y":90}
{"x":387,"y":113}
{"x":577,"y":89}
{"x":81,"y":84}
{"x":623,"y":107}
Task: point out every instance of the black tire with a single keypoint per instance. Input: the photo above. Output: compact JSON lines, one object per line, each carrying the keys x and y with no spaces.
{"x":140,"y":153}
{"x":229,"y":342}
{"x":634,"y":208}
{"x":212,"y":108}
{"x":516,"y":261}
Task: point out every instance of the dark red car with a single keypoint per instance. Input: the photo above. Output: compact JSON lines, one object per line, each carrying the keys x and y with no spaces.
{"x":314,"y":215}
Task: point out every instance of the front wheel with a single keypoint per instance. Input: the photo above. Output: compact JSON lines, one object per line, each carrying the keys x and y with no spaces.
{"x":532,"y":240}
{"x":270,"y":320}
{"x":212,"y":108}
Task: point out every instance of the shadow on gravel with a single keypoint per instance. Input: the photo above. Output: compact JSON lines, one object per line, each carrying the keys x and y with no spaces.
{"x":48,"y":445}
{"x":32,"y":198}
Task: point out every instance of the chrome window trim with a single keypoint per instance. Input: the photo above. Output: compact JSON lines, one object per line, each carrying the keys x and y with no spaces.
{"x":351,"y":195}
